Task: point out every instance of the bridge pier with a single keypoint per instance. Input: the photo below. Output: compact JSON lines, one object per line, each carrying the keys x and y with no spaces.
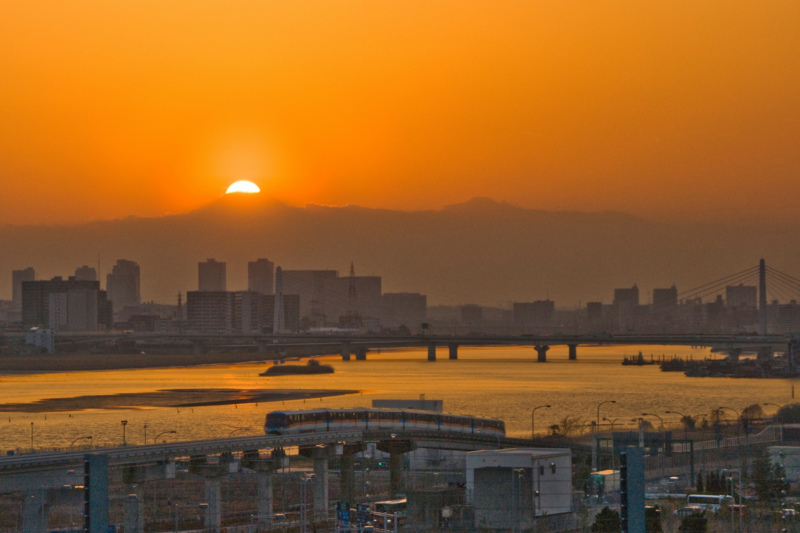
{"x":361,"y":353}
{"x":432,"y":352}
{"x":345,"y":351}
{"x":573,"y":352}
{"x":264,"y":470}
{"x":320,"y":455}
{"x":733,"y":354}
{"x":347,"y":471}
{"x":541,"y":352}
{"x":453,"y":351}
{"x":396,"y":448}
{"x":212,"y":474}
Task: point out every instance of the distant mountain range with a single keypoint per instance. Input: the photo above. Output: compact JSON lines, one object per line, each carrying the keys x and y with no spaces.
{"x":480,"y":251}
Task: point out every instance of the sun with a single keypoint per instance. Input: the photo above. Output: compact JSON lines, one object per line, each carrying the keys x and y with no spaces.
{"x":243,"y":186}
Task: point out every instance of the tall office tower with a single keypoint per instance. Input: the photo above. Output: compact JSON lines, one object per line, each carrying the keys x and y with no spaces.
{"x":278,"y":318}
{"x":260,"y":276}
{"x":17,"y":277}
{"x":86,"y":273}
{"x":122,"y":284}
{"x":211,"y":275}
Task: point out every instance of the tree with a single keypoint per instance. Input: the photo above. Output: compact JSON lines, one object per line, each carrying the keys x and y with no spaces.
{"x":572,"y":425}
{"x":788,"y":414}
{"x":700,"y":487}
{"x":752,"y":412}
{"x":607,"y":521}
{"x":689,"y":422}
{"x":694,"y":523}
{"x":769,"y":480}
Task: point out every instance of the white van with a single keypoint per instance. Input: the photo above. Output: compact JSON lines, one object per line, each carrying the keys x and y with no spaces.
{"x":710,"y":502}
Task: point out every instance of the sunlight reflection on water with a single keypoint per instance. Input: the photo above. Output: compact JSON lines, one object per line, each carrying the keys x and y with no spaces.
{"x":496,"y":382}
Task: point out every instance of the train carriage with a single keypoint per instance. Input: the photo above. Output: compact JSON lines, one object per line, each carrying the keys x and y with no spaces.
{"x":398,"y":420}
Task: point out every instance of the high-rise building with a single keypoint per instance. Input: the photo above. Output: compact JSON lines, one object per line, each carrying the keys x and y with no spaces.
{"x":536,"y":315}
{"x":74,"y":310}
{"x":741,"y":296}
{"x":17,"y":277}
{"x":211,"y":276}
{"x":122,"y":284}
{"x":210,"y":310}
{"x":408,"y":309}
{"x":627,"y":298}
{"x":86,"y":273}
{"x":260,"y":276}
{"x":36,"y":304}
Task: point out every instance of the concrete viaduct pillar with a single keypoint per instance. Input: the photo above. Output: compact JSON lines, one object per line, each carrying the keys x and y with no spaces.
{"x":453,"y":351}
{"x":34,"y":511}
{"x":361,"y":353}
{"x":347,"y":471}
{"x":734,"y":354}
{"x":432,"y":352}
{"x":541,"y":352}
{"x":396,"y":448}
{"x":212,"y":474}
{"x":134,"y":511}
{"x":573,"y":352}
{"x":345,"y":351}
{"x":264,"y":470}
{"x":320,"y":455}
{"x":133,"y":477}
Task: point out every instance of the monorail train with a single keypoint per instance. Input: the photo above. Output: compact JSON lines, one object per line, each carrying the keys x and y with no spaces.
{"x":398,"y":420}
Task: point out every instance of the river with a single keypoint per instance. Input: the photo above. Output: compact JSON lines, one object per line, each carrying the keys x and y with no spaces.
{"x":502,"y":383}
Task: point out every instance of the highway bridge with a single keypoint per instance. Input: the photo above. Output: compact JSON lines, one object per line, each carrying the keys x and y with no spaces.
{"x":349,"y":344}
{"x":50,"y":478}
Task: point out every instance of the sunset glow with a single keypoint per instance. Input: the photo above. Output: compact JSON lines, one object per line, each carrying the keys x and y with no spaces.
{"x":677,"y":110}
{"x":243,"y":186}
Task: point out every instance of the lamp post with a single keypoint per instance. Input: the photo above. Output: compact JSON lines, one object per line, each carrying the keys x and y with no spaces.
{"x":124,"y":441}
{"x":685,"y":419}
{"x":533,"y":420}
{"x":612,"y":422}
{"x":89,"y":437}
{"x":238,"y":429}
{"x":738,"y":418}
{"x":655,"y":415}
{"x":171,"y":432}
{"x":145,"y":434}
{"x":31,"y":436}
{"x":598,"y":410}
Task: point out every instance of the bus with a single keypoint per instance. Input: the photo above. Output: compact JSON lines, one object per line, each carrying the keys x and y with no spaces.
{"x":711,"y":502}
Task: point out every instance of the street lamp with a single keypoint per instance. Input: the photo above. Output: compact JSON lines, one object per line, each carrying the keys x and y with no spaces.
{"x":89,"y":437}
{"x":533,"y":420}
{"x":655,"y":415}
{"x":598,"y":410}
{"x":685,"y":419}
{"x":31,"y":436}
{"x":171,"y":432}
{"x":145,"y":434}
{"x":238,"y":429}
{"x":612,"y":422}
{"x":738,"y":418}
{"x":124,"y":423}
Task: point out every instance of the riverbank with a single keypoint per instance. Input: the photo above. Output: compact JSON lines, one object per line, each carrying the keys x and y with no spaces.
{"x":177,"y":398}
{"x":41,"y":364}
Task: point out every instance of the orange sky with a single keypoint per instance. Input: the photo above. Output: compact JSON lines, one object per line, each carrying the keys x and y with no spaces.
{"x":679,"y":110}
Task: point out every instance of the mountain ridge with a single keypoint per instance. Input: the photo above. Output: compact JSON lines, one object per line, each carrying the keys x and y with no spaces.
{"x":477,"y":251}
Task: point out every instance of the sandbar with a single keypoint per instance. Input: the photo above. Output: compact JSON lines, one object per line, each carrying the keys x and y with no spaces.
{"x":169,"y":398}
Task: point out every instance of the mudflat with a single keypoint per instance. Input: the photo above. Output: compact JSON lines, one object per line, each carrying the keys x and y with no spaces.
{"x":169,"y":398}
